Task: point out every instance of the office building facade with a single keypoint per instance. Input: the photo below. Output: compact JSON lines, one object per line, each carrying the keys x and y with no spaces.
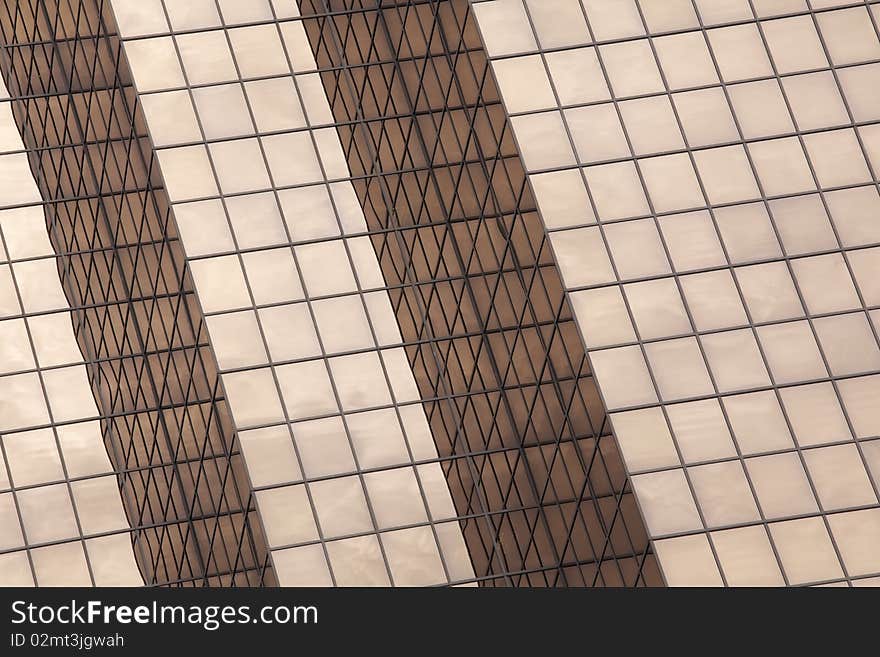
{"x":418,"y":293}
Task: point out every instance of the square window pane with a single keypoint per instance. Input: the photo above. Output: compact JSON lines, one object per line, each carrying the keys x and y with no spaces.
{"x":253,"y":397}
{"x":342,"y":324}
{"x":644,"y":439}
{"x":99,"y":505}
{"x":860,"y":400}
{"x":602,"y":317}
{"x":360,"y":381}
{"x":815,"y":100}
{"x":302,"y":566}
{"x":323,"y":447}
{"x":747,"y":233}
{"x":581,"y":257}
{"x":220,"y":283}
{"x":562,"y":198}
{"x":269,"y":456}
{"x":306,"y":389}
{"x":692,"y":241}
{"x":657,"y":308}
{"x":794,"y":44}
{"x":33,"y":457}
{"x":154,"y":64}
{"x":848,"y":343}
{"x":290,"y":332}
{"x":275,"y":104}
{"x":672,"y":183}
{"x":769,"y":292}
{"x":631,"y":68}
{"x":865,"y":265}
{"x":292,"y":159}
{"x":688,"y":561}
{"x":723,"y":494}
{"x":325,"y":268}
{"x":713,"y":12}
{"x":577,"y":76}
{"x":236,"y":340}
{"x":666,"y":502}
{"x":412,"y":553}
{"x":791,"y":352}
{"x":309,"y":212}
{"x":713,"y":300}
{"x":171,"y":118}
{"x":668,"y":15}
{"x":192,"y":14}
{"x":543,"y":141}
{"x":839,"y":476}
{"x":69,"y":394}
{"x":805,"y":550}
{"x":256,"y":220}
{"x":613,"y":21}
{"x":623,"y":377}
{"x":47,"y":514}
{"x":679,"y":369}
{"x":206,"y":57}
{"x":358,"y":562}
{"x":83,"y":448}
{"x":701,"y":430}
{"x":781,"y":485}
{"x":757,"y":422}
{"x":341,"y":506}
{"x":239,"y":165}
{"x":258,"y":51}
{"x":739,"y":52}
{"x":377,"y":438}
{"x":617,"y":191}
{"x":734,"y":360}
{"x":524,"y":84}
{"x":26,"y":405}
{"x":223,"y":111}
{"x":861,"y":86}
{"x":815,"y":414}
{"x":597,"y":133}
{"x":857,"y":535}
{"x":272,"y":276}
{"x":760,"y":109}
{"x":505,"y":27}
{"x":837,"y":158}
{"x":395,"y":497}
{"x":637,"y":249}
{"x":803,"y":224}
{"x":726,"y":174}
{"x":781,"y":166}
{"x":853,"y":212}
{"x":747,"y":557}
{"x":651,"y":125}
{"x":705,"y":117}
{"x":849,"y":35}
{"x":287,"y":515}
{"x":825,"y":283}
{"x":187,"y":172}
{"x":203,"y":228}
{"x":251,"y":12}
{"x":16,"y":354}
{"x":63,"y":564}
{"x":685,"y":60}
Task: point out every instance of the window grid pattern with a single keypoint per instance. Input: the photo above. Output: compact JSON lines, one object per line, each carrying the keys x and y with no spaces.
{"x":707,"y":172}
{"x":520,"y":430}
{"x":163,"y":418}
{"x":335,"y":440}
{"x":57,"y":482}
